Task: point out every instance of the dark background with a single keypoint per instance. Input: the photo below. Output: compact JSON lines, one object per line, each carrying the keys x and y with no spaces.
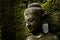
{"x":12,"y":25}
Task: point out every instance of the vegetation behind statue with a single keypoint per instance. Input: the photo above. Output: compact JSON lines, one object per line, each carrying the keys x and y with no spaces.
{"x":46,"y":18}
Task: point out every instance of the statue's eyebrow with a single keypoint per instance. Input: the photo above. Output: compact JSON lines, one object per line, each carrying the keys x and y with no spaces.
{"x":30,"y":19}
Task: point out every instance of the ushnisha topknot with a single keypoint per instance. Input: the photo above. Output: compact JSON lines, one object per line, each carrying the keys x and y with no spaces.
{"x":34,"y":5}
{"x":34,"y":8}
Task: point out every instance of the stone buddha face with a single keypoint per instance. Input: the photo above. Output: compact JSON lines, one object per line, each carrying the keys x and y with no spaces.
{"x":33,"y":20}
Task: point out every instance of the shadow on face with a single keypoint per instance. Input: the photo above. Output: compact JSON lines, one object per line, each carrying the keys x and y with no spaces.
{"x":32,"y":22}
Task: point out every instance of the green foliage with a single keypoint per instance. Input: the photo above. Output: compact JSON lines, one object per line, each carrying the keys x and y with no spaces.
{"x":50,"y":7}
{"x":46,"y":6}
{"x":21,"y":30}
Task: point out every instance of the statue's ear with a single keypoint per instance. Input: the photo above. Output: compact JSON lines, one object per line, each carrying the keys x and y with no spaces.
{"x":45,"y":28}
{"x":45,"y":16}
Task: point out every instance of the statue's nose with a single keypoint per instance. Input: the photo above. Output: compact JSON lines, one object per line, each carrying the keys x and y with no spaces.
{"x":28,"y":25}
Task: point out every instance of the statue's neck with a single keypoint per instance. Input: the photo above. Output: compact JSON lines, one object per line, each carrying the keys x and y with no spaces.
{"x":37,"y":31}
{"x":38,"y":36}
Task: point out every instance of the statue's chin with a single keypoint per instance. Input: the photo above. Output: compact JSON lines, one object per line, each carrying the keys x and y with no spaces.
{"x":31,"y":30}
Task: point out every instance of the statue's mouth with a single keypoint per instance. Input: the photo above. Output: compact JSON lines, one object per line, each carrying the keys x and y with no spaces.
{"x":30,"y":27}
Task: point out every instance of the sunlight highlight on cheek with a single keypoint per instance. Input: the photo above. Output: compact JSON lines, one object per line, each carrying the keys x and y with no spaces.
{"x":25,"y":16}
{"x":26,"y":24}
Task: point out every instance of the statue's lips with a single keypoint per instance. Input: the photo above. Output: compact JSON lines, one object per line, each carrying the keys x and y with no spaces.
{"x":30,"y":28}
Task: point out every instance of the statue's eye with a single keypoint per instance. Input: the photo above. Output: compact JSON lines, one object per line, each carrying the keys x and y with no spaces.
{"x":30,"y":19}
